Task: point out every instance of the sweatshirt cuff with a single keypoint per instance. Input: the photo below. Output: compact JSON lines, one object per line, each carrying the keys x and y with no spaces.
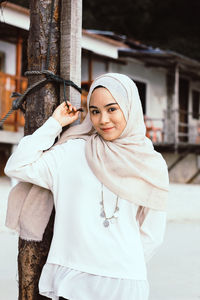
{"x":55,"y":123}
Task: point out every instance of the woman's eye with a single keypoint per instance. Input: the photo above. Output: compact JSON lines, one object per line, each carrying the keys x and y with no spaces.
{"x":112,"y":109}
{"x":95,"y":111}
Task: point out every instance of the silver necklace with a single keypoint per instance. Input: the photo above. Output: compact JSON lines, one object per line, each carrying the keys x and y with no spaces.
{"x":114,"y":217}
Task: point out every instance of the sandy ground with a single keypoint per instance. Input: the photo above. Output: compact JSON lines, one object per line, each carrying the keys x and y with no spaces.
{"x":8,"y":266}
{"x":174,"y":272}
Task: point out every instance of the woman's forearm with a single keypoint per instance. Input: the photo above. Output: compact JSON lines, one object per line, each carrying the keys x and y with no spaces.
{"x":27,"y":163}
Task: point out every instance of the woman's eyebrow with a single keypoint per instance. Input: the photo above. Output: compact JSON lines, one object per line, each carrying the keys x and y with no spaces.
{"x":92,"y":106}
{"x":109,"y":104}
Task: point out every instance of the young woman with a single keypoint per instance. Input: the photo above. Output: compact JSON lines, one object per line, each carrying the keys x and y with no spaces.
{"x":110,"y":189}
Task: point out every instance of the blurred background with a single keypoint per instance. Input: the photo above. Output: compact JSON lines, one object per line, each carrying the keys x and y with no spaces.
{"x":157,"y":44}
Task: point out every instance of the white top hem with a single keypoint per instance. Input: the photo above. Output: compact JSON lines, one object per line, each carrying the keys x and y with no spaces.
{"x":71,"y":284}
{"x":92,"y":271}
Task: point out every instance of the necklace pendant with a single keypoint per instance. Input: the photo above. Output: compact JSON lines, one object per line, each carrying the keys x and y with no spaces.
{"x":113,"y":218}
{"x":106,"y":223}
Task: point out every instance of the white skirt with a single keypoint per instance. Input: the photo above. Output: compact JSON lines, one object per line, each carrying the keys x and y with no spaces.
{"x":58,"y":281}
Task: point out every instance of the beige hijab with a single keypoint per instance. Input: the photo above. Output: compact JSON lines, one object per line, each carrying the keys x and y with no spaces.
{"x":129,"y":166}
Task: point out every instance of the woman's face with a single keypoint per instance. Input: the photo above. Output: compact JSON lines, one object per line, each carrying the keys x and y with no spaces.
{"x":106,"y":115}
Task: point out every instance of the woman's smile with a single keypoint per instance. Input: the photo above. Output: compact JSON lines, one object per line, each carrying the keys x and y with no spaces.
{"x":107,"y":129}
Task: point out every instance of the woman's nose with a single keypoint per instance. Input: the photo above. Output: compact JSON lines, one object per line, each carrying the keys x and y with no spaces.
{"x":104,"y":118}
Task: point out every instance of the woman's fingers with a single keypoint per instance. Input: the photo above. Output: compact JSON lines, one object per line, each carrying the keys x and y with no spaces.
{"x":71,"y":108}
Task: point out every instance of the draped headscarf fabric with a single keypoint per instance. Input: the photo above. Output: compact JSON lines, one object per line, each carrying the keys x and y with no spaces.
{"x":128,"y":166}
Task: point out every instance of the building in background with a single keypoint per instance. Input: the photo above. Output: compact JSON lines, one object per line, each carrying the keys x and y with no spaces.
{"x":168,"y":84}
{"x":14,"y":26}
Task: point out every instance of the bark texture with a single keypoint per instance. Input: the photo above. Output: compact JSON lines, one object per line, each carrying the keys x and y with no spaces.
{"x":39,"y":106}
{"x":41,"y":103}
{"x":31,"y":259}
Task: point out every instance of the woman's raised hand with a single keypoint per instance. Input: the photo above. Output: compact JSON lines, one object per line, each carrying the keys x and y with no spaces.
{"x":65,"y":115}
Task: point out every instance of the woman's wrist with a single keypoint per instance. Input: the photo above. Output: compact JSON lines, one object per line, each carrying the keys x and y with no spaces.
{"x":54,"y":117}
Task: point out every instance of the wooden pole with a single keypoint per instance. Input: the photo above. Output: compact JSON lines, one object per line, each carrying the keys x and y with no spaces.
{"x":70,"y":47}
{"x":42,"y":102}
{"x":32,"y":255}
{"x":18,"y":60}
{"x":18,"y":74}
{"x":176,"y":105}
{"x":90,"y":68}
{"x":40,"y":105}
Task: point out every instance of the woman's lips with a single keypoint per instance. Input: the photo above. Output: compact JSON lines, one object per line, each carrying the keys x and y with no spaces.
{"x":107,"y":129}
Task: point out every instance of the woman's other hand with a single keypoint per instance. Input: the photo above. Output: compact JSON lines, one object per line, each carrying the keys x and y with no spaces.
{"x":65,"y":115}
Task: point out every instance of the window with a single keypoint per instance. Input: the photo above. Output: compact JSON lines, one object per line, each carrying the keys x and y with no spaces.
{"x":142,"y":92}
{"x":2,"y":61}
{"x":195,"y":104}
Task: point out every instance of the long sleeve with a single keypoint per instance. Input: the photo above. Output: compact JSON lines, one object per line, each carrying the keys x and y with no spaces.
{"x":29,"y":162}
{"x":152,"y":232}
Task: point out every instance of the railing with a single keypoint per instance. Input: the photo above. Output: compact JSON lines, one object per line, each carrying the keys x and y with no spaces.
{"x":177,"y":127}
{"x":186,"y":127}
{"x":9,"y":84}
{"x":155,"y":129}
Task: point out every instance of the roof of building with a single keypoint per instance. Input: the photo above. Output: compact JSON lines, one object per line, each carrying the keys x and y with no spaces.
{"x":153,"y":57}
{"x":119,"y":46}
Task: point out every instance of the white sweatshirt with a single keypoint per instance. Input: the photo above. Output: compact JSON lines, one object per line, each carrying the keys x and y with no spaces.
{"x":80,"y":241}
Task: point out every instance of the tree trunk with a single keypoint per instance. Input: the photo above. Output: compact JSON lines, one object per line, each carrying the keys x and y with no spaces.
{"x":40,"y":105}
